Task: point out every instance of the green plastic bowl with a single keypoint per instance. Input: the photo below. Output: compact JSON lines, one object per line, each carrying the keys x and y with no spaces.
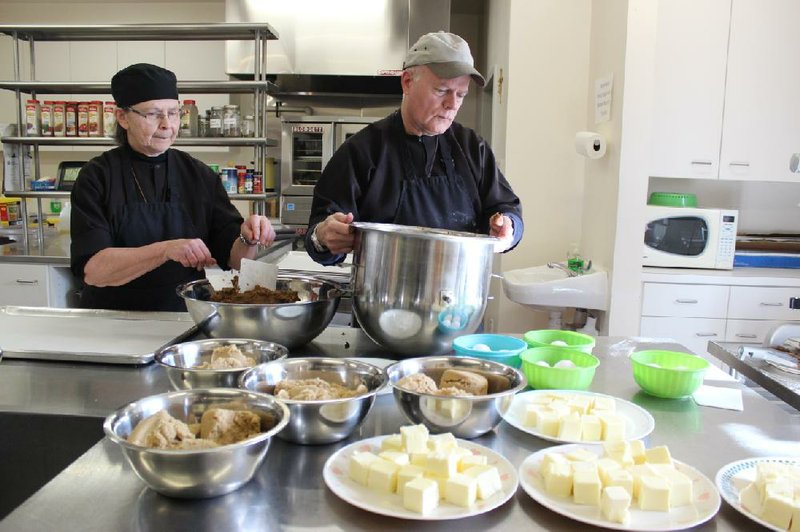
{"x":550,"y":378}
{"x":676,"y":376}
{"x":546,"y":337}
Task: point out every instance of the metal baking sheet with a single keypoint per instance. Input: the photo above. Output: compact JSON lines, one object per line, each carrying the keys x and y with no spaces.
{"x":87,"y":335}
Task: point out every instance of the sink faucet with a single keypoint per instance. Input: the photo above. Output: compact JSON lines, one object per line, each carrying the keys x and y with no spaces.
{"x":563,"y":267}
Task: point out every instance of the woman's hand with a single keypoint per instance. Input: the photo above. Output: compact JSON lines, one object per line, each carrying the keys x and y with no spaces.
{"x":258,"y":229}
{"x":189,"y":252}
{"x":502,"y":227}
{"x":335,"y":233}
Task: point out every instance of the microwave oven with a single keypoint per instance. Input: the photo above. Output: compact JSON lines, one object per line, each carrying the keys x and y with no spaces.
{"x":686,"y":237}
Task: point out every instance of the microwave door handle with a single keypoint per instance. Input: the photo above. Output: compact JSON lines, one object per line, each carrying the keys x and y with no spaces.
{"x":686,"y":301}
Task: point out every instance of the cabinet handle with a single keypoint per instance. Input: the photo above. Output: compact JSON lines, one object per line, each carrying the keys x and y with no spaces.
{"x":703,"y":162}
{"x":703,"y":335}
{"x":739,"y":163}
{"x":26,"y":281}
{"x":686,"y":301}
{"x":763,"y":304}
{"x":746,"y":336}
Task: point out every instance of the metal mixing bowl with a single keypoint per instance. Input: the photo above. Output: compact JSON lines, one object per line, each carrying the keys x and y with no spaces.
{"x":289,"y":324}
{"x":465,"y":417}
{"x":198,"y":473}
{"x":180,"y":361}
{"x":324,"y":421}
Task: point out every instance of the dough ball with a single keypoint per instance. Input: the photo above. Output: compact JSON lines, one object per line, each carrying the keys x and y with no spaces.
{"x":568,"y":364}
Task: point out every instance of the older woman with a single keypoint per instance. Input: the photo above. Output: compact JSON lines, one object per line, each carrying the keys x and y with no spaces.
{"x":145,"y":217}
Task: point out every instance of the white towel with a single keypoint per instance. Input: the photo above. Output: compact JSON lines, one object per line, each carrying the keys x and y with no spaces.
{"x":718,"y":397}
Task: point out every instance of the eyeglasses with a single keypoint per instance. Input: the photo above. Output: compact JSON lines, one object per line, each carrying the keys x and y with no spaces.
{"x":156,"y":118}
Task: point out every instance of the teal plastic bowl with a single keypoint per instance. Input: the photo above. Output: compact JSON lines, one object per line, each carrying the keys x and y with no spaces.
{"x":550,"y":378}
{"x":546,"y":337}
{"x":668,"y":374}
{"x":503,"y":349}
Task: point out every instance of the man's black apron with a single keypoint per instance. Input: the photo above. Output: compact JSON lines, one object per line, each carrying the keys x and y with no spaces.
{"x":442,"y":201}
{"x":141,"y":223}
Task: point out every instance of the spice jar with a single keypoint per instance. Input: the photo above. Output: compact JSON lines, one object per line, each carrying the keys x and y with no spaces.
{"x":59,"y":114}
{"x":202,"y":127}
{"x":189,"y":119}
{"x":83,"y":119}
{"x":109,"y":119}
{"x":33,"y":118}
{"x":47,"y":118}
{"x":71,"y":119}
{"x":248,"y":126}
{"x":94,"y":123}
{"x":231,"y":126}
{"x":215,"y":122}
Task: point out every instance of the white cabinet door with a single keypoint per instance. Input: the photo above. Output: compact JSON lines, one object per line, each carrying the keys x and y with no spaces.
{"x":693,"y":333}
{"x":684,"y":300}
{"x":763,"y":303}
{"x":761,"y":126}
{"x":691,"y":49}
{"x":23,"y":284}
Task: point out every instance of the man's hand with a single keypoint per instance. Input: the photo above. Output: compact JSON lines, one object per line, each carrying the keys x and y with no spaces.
{"x":336,"y":233}
{"x":502,"y":227}
{"x":190,"y":252}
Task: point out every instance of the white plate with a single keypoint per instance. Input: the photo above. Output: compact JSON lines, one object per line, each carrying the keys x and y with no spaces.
{"x":734,"y":477}
{"x":638,"y":421}
{"x":391,"y":504}
{"x":705,"y":504}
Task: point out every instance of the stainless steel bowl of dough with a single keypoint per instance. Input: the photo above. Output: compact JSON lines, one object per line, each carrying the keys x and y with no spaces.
{"x":463,"y":395}
{"x":328,"y":398}
{"x":215,"y":362}
{"x":197,"y":443}
{"x":289,"y":324}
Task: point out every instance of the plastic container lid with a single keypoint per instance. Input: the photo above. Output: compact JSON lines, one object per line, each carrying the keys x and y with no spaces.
{"x":672,"y":199}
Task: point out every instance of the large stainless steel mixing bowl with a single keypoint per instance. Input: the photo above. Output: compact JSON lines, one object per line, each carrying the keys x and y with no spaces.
{"x":181,"y":361}
{"x":465,"y":417}
{"x":288,"y":324}
{"x":415,"y":289}
{"x":197,"y":473}
{"x":323,"y":421}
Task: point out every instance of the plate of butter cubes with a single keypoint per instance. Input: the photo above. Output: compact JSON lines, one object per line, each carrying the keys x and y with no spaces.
{"x":567,"y":416}
{"x":764,"y":489}
{"x":422,"y":476}
{"x":621,"y":485}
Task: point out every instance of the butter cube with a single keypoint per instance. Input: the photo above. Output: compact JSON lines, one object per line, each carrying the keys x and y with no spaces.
{"x":532,"y":413}
{"x":619,"y":451}
{"x":471,"y":460}
{"x":586,"y":488}
{"x":580,"y":404}
{"x":382,"y":475}
{"x":613,"y":426}
{"x":488,"y":479}
{"x":398,"y":458}
{"x":750,"y":498}
{"x":680,"y":486}
{"x":441,"y":482}
{"x":558,"y":481}
{"x":581,"y":455}
{"x":358,"y":466}
{"x":621,"y":478}
{"x":604,"y":404}
{"x":654,"y":494}
{"x":442,"y":464}
{"x":569,"y":427}
{"x":540,"y":399}
{"x":419,"y":459}
{"x":604,"y":466}
{"x":461,"y":490}
{"x":414,"y":438}
{"x":442,"y":442}
{"x":583,"y":466}
{"x":658,"y":455}
{"x":421,"y":495}
{"x":549,"y":459}
{"x":591,"y":428}
{"x":637,"y":451}
{"x":548,"y":423}
{"x":639,"y":471}
{"x":615,"y":503}
{"x":778,"y":504}
{"x":560,"y":408}
{"x":392,"y":443}
{"x":406,"y":474}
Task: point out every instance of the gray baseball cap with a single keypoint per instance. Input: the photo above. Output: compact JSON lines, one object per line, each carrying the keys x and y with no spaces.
{"x":446,"y":54}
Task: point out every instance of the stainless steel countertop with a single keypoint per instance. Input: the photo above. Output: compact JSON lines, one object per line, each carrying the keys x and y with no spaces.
{"x":99,"y":492}
{"x":781,"y":384}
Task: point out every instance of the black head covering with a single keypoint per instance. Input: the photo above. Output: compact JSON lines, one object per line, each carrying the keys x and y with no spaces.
{"x":143,"y":82}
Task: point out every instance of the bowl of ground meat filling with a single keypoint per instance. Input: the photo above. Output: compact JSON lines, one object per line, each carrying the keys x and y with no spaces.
{"x":328,"y":398}
{"x":197,"y":443}
{"x":463,"y":395}
{"x":215,"y":362}
{"x":292,"y":315}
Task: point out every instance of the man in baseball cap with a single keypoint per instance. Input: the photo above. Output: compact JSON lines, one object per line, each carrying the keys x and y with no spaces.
{"x":417,"y":166}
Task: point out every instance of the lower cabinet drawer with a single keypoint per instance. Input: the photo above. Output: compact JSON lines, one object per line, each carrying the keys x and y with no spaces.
{"x":692,"y":333}
{"x":762,"y":303}
{"x":23,"y":284}
{"x":749,"y":331}
{"x":684,"y":300}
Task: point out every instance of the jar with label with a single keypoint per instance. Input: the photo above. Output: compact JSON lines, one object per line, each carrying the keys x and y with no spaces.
{"x":189,"y":119}
{"x":47,"y":118}
{"x":109,"y":119}
{"x":83,"y":119}
{"x":59,"y":112}
{"x":33,"y":118}
{"x":215,"y":122}
{"x":202,"y":126}
{"x":71,"y":119}
{"x":249,"y":126}
{"x":231,"y":126}
{"x":94,"y":122}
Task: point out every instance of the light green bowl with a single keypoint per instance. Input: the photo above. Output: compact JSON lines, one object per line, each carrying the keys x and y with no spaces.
{"x":676,"y":376}
{"x":549,"y":378}
{"x":546,"y":337}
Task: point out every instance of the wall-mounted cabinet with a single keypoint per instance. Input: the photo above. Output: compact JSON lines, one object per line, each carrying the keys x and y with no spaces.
{"x":725,"y":90}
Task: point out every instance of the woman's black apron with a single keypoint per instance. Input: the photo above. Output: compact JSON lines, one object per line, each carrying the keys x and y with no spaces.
{"x":140,"y":223}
